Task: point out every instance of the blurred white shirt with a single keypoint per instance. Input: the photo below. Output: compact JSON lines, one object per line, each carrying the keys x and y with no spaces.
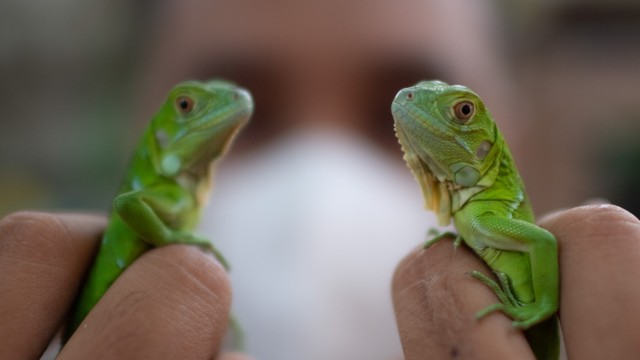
{"x":313,"y":227}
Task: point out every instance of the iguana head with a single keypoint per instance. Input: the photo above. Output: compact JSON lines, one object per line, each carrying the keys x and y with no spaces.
{"x":449,"y":139}
{"x":197,"y":123}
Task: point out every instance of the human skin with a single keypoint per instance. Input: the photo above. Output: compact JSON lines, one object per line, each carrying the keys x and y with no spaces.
{"x":435,"y":299}
{"x":172,"y":303}
{"x":43,"y":258}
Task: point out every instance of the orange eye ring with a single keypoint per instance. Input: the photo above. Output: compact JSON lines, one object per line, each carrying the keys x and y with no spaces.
{"x":463,"y":111}
{"x":185,"y":104}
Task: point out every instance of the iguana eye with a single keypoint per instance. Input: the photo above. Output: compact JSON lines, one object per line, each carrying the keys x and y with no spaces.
{"x":185,"y":104}
{"x":463,"y":111}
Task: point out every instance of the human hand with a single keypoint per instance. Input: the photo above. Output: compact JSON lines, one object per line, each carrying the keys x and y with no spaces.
{"x":173,"y":302}
{"x":436,"y":300}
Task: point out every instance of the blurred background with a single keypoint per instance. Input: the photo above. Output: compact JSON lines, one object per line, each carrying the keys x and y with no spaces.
{"x":319,"y":160}
{"x":69,"y":72}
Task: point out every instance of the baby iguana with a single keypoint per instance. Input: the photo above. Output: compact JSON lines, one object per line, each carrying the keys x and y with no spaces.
{"x":466,"y":172}
{"x":167,"y":183}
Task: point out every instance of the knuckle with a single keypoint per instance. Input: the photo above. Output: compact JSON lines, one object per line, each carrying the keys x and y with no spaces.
{"x":203,"y":284}
{"x":608,"y":220}
{"x":613,"y":215}
{"x":600,"y":227}
{"x":423,"y":268}
{"x":196,"y":271}
{"x":407,"y":272}
{"x":31,"y":236}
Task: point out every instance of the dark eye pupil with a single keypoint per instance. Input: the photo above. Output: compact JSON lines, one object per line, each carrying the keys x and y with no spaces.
{"x":184,"y":104}
{"x":463,"y":111}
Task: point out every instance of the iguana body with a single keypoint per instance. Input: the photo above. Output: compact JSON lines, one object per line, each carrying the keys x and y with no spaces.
{"x":167,"y":182}
{"x":467,"y":174}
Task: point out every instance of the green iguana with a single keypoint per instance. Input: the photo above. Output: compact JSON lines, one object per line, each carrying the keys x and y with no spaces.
{"x":167,"y":183}
{"x":466,"y":172}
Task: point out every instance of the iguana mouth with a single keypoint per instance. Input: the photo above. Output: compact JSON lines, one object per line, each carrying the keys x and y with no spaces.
{"x":232,"y":116}
{"x":200,"y":146}
{"x":408,"y":115}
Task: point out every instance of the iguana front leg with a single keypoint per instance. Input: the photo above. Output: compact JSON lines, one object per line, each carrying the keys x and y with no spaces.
{"x":153,"y":211}
{"x":436,"y":236}
{"x":512,"y":235}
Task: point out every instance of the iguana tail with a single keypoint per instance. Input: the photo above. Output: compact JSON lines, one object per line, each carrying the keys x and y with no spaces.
{"x":544,"y":339}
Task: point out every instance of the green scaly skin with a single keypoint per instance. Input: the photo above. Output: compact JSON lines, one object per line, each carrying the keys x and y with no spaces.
{"x":466,"y":172}
{"x":167,"y":183}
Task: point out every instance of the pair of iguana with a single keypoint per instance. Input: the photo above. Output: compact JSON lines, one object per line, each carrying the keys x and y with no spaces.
{"x":450,"y":142}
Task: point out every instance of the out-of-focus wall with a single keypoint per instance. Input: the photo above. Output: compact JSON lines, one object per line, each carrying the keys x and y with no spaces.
{"x":66,"y":100}
{"x":65,"y":70}
{"x":578,"y":64}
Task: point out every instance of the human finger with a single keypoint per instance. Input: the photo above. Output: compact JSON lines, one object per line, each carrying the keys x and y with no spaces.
{"x":171,"y":303}
{"x":599,"y":267}
{"x":435,"y":301}
{"x":42,"y":261}
{"x":234,"y":356}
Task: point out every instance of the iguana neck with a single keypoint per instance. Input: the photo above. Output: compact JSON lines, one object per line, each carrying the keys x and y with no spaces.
{"x":451,"y":197}
{"x":508,"y":188}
